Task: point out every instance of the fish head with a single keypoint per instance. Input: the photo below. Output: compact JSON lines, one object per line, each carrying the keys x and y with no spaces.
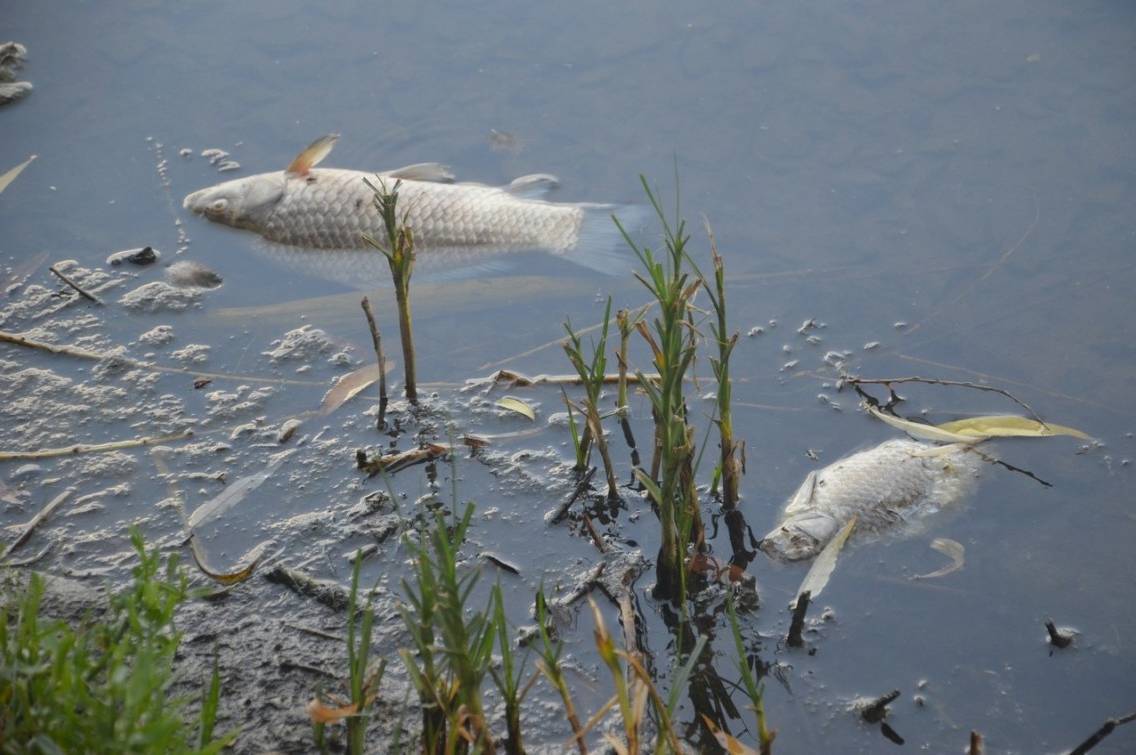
{"x":240,"y":203}
{"x":799,"y":537}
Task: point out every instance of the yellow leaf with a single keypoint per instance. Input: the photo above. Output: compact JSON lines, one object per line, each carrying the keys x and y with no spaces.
{"x":10,"y":176}
{"x":925,"y":432}
{"x":350,"y":385}
{"x":953,"y":550}
{"x":512,"y":403}
{"x":825,"y":563}
{"x":1008,"y":426}
{"x":726,"y":742}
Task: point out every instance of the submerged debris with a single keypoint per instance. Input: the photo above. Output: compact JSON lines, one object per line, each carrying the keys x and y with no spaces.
{"x":146,"y":255}
{"x":12,"y":56}
{"x":194,"y":274}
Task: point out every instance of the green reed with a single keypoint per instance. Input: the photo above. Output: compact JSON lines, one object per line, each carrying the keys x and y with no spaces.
{"x":592,"y":372}
{"x":398,"y":248}
{"x":673,"y":340}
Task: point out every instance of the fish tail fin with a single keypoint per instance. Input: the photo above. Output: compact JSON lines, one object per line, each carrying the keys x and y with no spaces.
{"x":600,"y":244}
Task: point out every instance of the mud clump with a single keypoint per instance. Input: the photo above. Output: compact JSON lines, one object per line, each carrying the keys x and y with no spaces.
{"x":159,"y":296}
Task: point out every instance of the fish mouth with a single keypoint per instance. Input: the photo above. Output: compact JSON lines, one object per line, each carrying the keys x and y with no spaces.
{"x":789,"y":545}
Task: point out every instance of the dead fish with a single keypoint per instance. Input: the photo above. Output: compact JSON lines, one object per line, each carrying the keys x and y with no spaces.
{"x":897,"y":482}
{"x":302,"y":208}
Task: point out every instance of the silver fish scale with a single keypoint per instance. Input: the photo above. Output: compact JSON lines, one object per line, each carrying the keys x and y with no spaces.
{"x":334,"y":209}
{"x":879,"y":484}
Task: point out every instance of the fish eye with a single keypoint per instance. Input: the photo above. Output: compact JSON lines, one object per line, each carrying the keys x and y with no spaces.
{"x":219,"y":205}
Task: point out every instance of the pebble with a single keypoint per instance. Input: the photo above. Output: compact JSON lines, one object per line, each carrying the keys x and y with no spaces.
{"x":188,"y":273}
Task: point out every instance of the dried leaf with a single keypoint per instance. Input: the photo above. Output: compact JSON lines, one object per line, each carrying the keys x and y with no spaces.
{"x":924,"y":432}
{"x":251,"y":560}
{"x":1008,"y":426}
{"x":953,"y":550}
{"x":726,"y":742}
{"x":322,"y":714}
{"x":824,"y":564}
{"x":10,"y":176}
{"x":350,"y":385}
{"x":235,"y":493}
{"x":512,"y":403}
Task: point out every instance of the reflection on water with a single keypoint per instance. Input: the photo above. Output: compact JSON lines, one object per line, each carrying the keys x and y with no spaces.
{"x":952,"y":182}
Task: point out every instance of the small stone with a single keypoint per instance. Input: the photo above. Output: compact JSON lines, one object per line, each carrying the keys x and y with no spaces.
{"x":870,"y":345}
{"x":146,"y":255}
{"x":157,"y":336}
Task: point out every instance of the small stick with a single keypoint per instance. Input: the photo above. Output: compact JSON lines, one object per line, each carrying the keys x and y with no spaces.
{"x":17,"y":339}
{"x":377,"y":342}
{"x":81,"y":448}
{"x":975,"y":744}
{"x":557,"y":516}
{"x":315,"y":632}
{"x":797,"y":625}
{"x":1056,"y":637}
{"x":1098,"y":735}
{"x":77,"y":287}
{"x":875,"y":711}
{"x":35,"y":521}
{"x":595,"y":535}
{"x":936,"y":381}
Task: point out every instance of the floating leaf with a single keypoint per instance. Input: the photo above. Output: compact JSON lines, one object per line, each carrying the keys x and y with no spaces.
{"x":10,"y":176}
{"x":512,"y":403}
{"x":824,"y":564}
{"x":1008,"y":426}
{"x":251,"y":560}
{"x":953,"y":550}
{"x":919,"y":430}
{"x":350,"y":385}
{"x":726,"y":742}
{"x":235,"y":493}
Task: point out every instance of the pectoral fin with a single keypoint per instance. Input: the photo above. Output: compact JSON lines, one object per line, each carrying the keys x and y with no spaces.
{"x":312,"y":155}
{"x":534,"y":186}
{"x":434,"y":172}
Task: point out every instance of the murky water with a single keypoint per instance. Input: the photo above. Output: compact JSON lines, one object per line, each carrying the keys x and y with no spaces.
{"x":963,"y":169}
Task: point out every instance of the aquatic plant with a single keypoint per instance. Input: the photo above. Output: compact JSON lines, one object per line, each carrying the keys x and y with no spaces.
{"x":452,"y":644}
{"x":103,"y":685}
{"x":508,"y":680}
{"x":399,"y":252}
{"x":592,"y":373}
{"x":674,"y":344}
{"x":363,"y":681}
{"x":754,"y":691}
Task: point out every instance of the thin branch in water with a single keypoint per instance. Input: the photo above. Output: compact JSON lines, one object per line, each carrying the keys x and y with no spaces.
{"x":557,"y":516}
{"x":377,"y":342}
{"x":77,"y":287}
{"x":1011,"y":467}
{"x":80,"y":448}
{"x":797,"y":625}
{"x":855,"y":381}
{"x":35,"y":522}
{"x":1099,"y":735}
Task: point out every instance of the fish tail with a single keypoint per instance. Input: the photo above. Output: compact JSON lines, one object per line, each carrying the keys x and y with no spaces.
{"x":600,"y":244}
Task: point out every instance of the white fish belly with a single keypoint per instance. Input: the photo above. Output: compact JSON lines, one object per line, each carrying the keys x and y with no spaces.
{"x":334,"y":209}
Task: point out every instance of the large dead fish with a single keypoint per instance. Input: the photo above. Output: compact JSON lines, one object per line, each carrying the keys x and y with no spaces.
{"x":897,"y":482}
{"x":302,"y":209}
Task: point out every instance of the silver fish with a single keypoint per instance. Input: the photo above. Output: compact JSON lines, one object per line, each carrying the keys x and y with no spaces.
{"x":897,"y":482}
{"x":302,"y":209}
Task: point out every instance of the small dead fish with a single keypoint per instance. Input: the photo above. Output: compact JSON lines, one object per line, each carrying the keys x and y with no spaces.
{"x":305,"y":208}
{"x":896,"y":482}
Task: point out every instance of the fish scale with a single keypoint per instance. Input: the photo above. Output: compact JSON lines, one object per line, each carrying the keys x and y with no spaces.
{"x":333,"y":209}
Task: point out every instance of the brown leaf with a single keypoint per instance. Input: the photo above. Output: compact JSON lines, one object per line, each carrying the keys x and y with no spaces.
{"x":728,"y":743}
{"x":253,"y":557}
{"x":322,"y":714}
{"x":350,"y":385}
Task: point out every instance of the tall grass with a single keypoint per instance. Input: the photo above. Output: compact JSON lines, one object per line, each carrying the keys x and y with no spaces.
{"x":592,"y":372}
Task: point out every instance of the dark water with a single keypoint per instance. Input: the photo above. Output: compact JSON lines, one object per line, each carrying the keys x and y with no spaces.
{"x":963,"y":168}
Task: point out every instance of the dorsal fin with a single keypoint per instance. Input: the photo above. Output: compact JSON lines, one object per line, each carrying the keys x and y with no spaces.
{"x":434,"y":172}
{"x":312,"y":155}
{"x":533,"y":186}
